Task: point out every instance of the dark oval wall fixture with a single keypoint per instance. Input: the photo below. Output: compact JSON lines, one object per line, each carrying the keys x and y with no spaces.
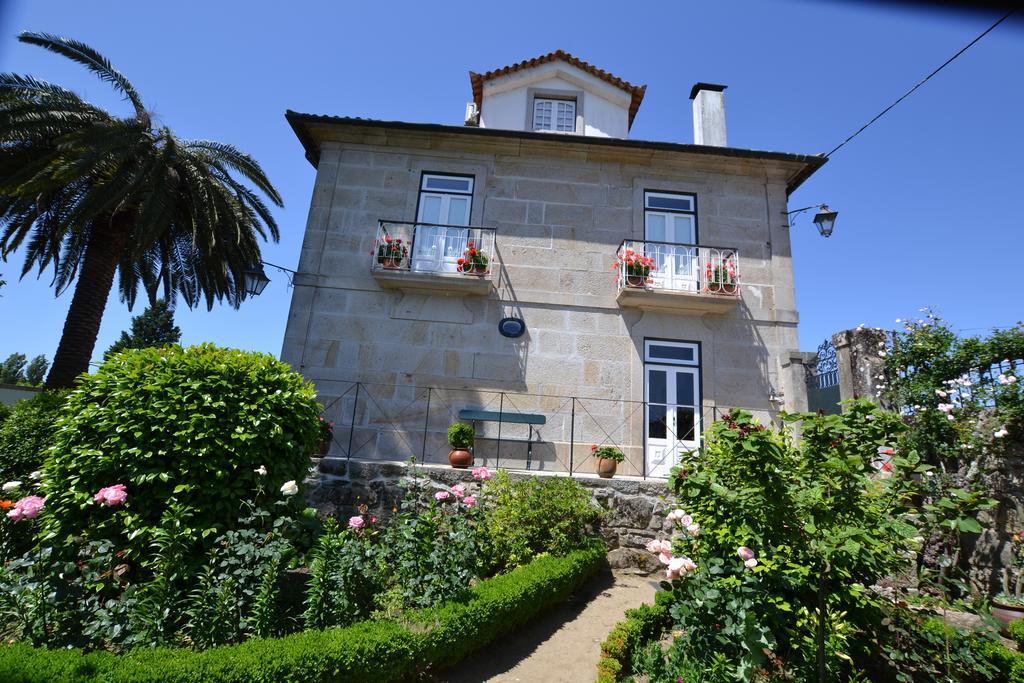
{"x":512,"y":327}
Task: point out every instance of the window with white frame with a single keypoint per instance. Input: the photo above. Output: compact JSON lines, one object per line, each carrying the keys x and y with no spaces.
{"x":445,"y":204}
{"x":670,"y":228}
{"x":672,"y":403}
{"x":554,"y":115}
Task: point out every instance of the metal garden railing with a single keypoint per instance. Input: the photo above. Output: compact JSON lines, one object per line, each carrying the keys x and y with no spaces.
{"x":397,"y":422}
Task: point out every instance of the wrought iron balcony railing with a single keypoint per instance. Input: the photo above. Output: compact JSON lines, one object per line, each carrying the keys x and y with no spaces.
{"x":671,"y":267}
{"x":430,"y":248}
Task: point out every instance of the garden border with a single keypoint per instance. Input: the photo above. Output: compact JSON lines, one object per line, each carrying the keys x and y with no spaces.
{"x":370,"y":650}
{"x":641,"y":626}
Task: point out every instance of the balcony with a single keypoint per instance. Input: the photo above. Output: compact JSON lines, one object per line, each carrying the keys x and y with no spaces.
{"x":677,"y":277}
{"x":450,"y":258}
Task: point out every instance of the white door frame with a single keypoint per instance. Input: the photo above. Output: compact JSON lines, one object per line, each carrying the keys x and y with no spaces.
{"x":675,"y":359}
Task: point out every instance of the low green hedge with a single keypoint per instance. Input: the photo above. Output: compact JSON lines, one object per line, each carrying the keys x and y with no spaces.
{"x":642,"y":625}
{"x":1016,"y":629}
{"x":367,"y":651}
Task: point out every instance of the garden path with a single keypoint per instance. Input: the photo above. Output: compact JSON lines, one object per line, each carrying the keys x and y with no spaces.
{"x":564,"y":645}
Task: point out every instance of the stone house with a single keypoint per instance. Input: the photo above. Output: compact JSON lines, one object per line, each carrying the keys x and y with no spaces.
{"x":569,"y":284}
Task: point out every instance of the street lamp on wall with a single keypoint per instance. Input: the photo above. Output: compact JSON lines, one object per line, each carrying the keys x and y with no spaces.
{"x":825,"y":219}
{"x":256,"y":279}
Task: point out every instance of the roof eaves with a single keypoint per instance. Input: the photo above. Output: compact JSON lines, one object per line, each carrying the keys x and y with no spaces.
{"x":811,"y":162}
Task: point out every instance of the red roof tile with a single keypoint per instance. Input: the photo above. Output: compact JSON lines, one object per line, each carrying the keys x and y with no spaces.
{"x":636,"y":91}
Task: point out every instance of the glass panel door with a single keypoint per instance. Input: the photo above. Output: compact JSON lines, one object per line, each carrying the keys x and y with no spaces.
{"x":676,"y":265}
{"x":437,"y":247}
{"x":672,"y":415}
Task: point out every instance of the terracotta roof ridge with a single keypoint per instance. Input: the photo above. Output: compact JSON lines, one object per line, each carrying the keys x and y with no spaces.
{"x":636,"y":92}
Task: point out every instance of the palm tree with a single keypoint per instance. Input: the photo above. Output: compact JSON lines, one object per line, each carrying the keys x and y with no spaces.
{"x":95,"y":195}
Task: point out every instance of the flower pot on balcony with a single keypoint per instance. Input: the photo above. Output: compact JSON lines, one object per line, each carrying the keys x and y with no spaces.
{"x":722,"y":288}
{"x":324,"y":447}
{"x":636,"y":281}
{"x":391,"y":263}
{"x":605,"y":467}
{"x":460,"y":458}
{"x":475,"y":270}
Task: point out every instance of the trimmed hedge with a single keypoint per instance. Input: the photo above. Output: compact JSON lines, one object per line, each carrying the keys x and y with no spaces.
{"x":1016,"y":629}
{"x":642,"y":625}
{"x":367,"y":651}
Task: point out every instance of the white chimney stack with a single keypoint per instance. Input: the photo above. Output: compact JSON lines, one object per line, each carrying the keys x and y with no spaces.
{"x":708,"y":114}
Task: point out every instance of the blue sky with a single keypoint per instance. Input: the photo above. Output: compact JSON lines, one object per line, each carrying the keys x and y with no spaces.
{"x":926,"y":196}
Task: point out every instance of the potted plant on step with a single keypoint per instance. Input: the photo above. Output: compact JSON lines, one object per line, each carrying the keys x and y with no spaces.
{"x":473,"y":261}
{"x":391,"y":252}
{"x":606,"y":460}
{"x":634,"y":268}
{"x":326,"y":436}
{"x":460,"y":438}
{"x":721,"y":277}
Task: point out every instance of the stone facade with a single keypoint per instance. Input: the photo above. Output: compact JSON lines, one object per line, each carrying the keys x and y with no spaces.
{"x":560,"y":207}
{"x":633,"y":511}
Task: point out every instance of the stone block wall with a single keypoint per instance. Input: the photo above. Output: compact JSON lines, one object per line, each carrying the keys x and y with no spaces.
{"x":634,"y":511}
{"x":560,"y":211}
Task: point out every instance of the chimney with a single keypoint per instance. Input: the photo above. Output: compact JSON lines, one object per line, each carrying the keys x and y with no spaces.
{"x":708,"y":114}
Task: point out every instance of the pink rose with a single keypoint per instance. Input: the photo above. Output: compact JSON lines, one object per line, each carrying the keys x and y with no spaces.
{"x":653,"y":546}
{"x":693,"y":529}
{"x":27,"y":508}
{"x":665,"y":557}
{"x":459,"y":490}
{"x":442,"y":495}
{"x":745,"y":553}
{"x":481,"y":473}
{"x":356,"y":522}
{"x":469,"y":501}
{"x":751,"y":563}
{"x":111,"y":495}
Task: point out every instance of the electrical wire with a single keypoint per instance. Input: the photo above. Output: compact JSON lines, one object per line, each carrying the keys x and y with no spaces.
{"x":922,"y":82}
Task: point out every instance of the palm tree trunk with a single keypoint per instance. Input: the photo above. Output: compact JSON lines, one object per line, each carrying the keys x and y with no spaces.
{"x":96,"y":277}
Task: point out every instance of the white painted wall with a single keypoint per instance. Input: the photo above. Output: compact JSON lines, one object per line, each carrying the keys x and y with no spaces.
{"x":506,"y":103}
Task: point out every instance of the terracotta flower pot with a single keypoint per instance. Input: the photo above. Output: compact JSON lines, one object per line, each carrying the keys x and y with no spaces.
{"x":474,"y":270}
{"x":635,"y":281}
{"x":324,"y":447}
{"x":460,"y":458}
{"x":606,"y":467}
{"x":392,"y":263}
{"x":722,"y":288}
{"x":1006,"y":613}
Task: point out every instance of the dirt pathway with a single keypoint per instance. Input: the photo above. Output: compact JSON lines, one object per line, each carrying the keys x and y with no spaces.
{"x":562,"y":646}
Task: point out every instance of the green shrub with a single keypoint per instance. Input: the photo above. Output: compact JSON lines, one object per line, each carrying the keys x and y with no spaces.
{"x":5,"y":413}
{"x":376,"y":651}
{"x":27,"y":433}
{"x":1016,"y":629}
{"x":179,"y":427}
{"x":461,"y":435}
{"x":534,"y":515}
{"x":642,"y":625}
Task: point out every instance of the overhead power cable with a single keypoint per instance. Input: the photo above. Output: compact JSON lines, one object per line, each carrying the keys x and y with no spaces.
{"x":922,"y":82}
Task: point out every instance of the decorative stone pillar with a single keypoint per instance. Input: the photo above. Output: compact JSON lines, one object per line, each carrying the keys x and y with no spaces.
{"x":793,"y":380}
{"x":857,"y":354}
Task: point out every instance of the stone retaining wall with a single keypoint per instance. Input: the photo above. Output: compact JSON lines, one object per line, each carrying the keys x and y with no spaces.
{"x":634,"y":509}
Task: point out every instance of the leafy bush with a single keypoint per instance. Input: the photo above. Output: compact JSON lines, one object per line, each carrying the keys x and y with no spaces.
{"x":27,"y":434}
{"x":430,"y":549}
{"x":461,"y":435}
{"x":367,"y":651}
{"x":533,"y":515}
{"x":188,"y":427}
{"x":1016,"y":629}
{"x":773,"y":557}
{"x":343,"y":576}
{"x":5,"y":413}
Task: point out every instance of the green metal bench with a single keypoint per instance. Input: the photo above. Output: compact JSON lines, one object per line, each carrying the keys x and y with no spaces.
{"x":529,"y":419}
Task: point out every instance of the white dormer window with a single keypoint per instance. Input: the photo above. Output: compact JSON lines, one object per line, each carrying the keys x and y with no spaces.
{"x":554,"y":115}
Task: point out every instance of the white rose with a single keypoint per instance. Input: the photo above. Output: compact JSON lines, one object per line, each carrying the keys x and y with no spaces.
{"x":261,"y":470}
{"x":289,"y":488}
{"x":11,"y":486}
{"x":37,"y":475}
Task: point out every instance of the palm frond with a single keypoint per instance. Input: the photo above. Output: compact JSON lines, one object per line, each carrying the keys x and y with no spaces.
{"x":89,"y":58}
